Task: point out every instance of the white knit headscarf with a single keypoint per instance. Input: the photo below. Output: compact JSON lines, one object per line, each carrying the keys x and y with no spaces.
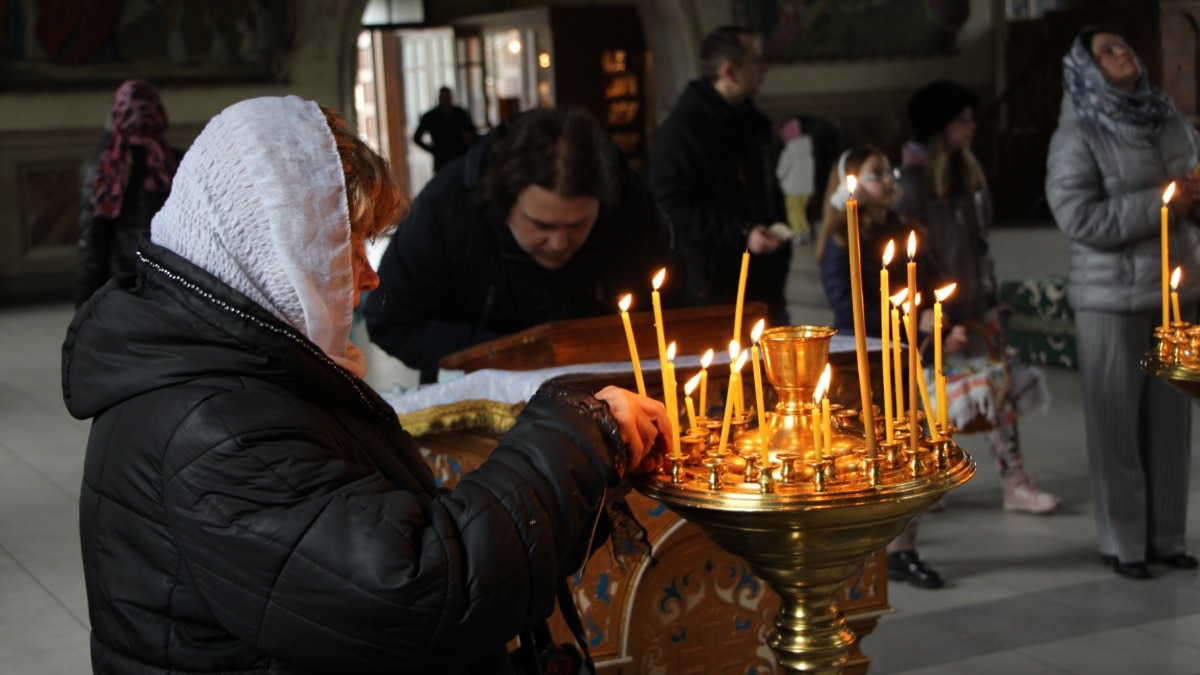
{"x":260,"y":202}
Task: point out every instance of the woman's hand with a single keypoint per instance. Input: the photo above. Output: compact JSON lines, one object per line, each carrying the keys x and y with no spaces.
{"x":1187,"y":193}
{"x":956,"y":340}
{"x":644,"y":426}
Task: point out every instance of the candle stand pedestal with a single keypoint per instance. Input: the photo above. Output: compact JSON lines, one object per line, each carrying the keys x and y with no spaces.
{"x":810,"y":527}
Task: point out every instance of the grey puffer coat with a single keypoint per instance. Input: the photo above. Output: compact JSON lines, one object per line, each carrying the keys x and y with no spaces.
{"x":248,"y":506}
{"x":1106,"y":195}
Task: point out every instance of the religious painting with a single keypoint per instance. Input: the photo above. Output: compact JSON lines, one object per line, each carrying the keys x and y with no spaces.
{"x":60,"y":43}
{"x":825,"y":30}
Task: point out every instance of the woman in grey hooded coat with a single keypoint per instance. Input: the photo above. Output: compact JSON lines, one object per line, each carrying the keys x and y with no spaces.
{"x":1118,"y":145}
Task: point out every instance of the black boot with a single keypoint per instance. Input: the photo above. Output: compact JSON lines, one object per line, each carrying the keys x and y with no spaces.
{"x":908,"y":566}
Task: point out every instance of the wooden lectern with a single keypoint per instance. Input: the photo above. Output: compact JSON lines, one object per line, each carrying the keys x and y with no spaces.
{"x":695,"y":608}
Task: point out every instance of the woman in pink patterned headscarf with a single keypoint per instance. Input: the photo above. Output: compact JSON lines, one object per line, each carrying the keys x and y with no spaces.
{"x":133,"y":172}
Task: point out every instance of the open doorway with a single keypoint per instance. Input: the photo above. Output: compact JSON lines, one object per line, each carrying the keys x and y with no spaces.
{"x":400,"y":71}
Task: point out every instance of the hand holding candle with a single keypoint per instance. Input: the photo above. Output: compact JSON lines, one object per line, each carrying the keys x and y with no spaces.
{"x":633,"y":353}
{"x":1166,"y":199}
{"x":687,"y":399}
{"x":884,"y":294}
{"x":755,"y":334}
{"x":1175,"y":276}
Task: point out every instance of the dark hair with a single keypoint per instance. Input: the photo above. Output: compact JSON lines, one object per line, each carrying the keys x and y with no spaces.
{"x":1089,"y":33}
{"x":560,"y":149}
{"x":721,"y":45}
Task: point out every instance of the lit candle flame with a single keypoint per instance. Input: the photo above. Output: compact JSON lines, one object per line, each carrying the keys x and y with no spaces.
{"x":741,"y":361}
{"x":942,"y":293}
{"x":758,"y":330}
{"x":898,"y":298}
{"x":671,"y":352}
{"x":658,"y":278}
{"x":912,"y":244}
{"x":1170,"y":191}
{"x":851,"y":183}
{"x":822,"y":385}
{"x":1175,"y":276}
{"x":625,"y":302}
{"x":706,"y":360}
{"x":907,"y":308}
{"x":918,"y":300}
{"x":889,"y":252}
{"x":691,"y":384}
{"x":734,"y":350}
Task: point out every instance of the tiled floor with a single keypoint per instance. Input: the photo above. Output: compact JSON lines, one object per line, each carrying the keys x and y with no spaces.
{"x":1025,"y":594}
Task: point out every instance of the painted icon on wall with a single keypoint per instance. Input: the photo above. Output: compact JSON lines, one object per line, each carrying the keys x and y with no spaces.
{"x":47,"y":43}
{"x":822,"y":30}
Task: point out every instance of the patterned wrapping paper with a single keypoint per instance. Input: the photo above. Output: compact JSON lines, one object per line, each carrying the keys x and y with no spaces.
{"x":1041,"y":328}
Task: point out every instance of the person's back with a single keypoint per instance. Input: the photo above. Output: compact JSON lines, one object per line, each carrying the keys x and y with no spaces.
{"x":249,"y":504}
{"x":515,"y":235}
{"x":450,"y":129}
{"x":712,"y":168}
{"x":131,"y":180}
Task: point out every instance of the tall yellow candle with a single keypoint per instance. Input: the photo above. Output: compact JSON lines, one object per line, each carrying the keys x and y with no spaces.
{"x":735,"y":385}
{"x":755,"y":334}
{"x":897,"y":364}
{"x":860,"y":321}
{"x":939,"y":377}
{"x":885,"y":292}
{"x":913,"y":372}
{"x":819,"y":394}
{"x":737,"y":367}
{"x":1166,"y":199}
{"x":688,"y":388}
{"x":921,"y":386}
{"x":1175,"y":276}
{"x":656,"y":302}
{"x":826,"y":418}
{"x":705,"y":362}
{"x":672,"y":396}
{"x":633,"y":353}
{"x":741,"y":296}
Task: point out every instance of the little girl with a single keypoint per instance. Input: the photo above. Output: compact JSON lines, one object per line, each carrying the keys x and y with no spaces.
{"x":878,"y":222}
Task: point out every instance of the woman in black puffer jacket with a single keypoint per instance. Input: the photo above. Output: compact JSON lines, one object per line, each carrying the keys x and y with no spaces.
{"x":249,"y":504}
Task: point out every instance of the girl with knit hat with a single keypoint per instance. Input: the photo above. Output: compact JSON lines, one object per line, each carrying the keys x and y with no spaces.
{"x":1119,"y":143}
{"x":944,"y":187}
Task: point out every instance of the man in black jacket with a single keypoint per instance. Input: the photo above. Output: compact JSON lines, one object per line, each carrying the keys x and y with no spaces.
{"x":541,"y":221}
{"x":712,"y":170}
{"x":449,"y":128}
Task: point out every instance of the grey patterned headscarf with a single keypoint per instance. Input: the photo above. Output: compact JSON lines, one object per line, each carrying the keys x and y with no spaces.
{"x":1132,"y":114}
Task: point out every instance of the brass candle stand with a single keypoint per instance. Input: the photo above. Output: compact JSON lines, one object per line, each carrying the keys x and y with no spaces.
{"x":806,"y":522}
{"x":1175,"y":357}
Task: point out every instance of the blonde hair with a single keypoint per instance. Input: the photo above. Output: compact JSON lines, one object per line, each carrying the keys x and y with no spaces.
{"x":951,"y":172}
{"x":372,"y":194}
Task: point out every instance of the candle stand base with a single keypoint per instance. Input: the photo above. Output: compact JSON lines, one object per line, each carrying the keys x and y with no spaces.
{"x":809,"y":530}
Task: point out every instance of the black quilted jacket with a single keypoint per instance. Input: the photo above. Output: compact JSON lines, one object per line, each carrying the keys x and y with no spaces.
{"x":248,"y":506}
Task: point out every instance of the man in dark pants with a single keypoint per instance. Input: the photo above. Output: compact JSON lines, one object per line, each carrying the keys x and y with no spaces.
{"x":450,"y":130}
{"x":540,"y":221}
{"x":712,"y":170}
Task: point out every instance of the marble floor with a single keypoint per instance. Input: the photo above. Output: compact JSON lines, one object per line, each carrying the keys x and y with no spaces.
{"x":1025,"y":594}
